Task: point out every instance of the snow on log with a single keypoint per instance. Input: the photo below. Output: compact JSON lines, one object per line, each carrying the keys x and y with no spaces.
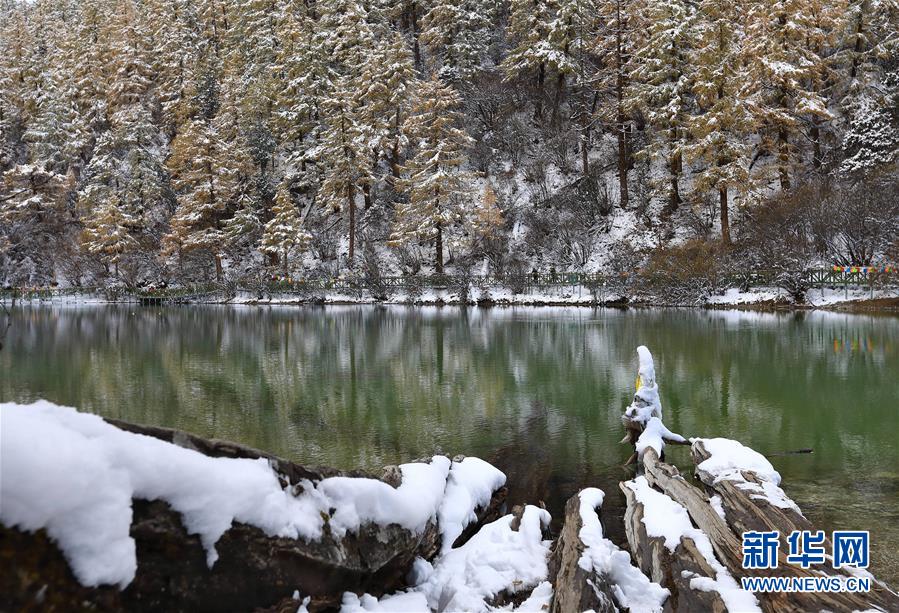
{"x":643,"y":418}
{"x":678,"y":555}
{"x":591,"y":572}
{"x":741,"y":512}
{"x":130,"y":510}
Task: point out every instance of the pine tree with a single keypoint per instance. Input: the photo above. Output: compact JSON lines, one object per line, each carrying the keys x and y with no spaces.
{"x":785,"y":40}
{"x":438,"y":189}
{"x":107,"y":233}
{"x":872,"y":141}
{"x":457,"y":33}
{"x":284,"y":234}
{"x":617,"y":36}
{"x":301,"y":82}
{"x":662,"y":85}
{"x":122,"y":186}
{"x":345,"y":35}
{"x":532,"y":53}
{"x":721,"y":129}
{"x":57,"y":134}
{"x":387,"y":81}
{"x":344,"y":155}
{"x":131,"y":72}
{"x":208,"y":172}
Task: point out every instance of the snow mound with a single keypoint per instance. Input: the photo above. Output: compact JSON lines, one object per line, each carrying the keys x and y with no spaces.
{"x":496,"y":559}
{"x":470,"y":485}
{"x":76,"y":475}
{"x":632,"y":589}
{"x":403,"y":602}
{"x":727,"y":461}
{"x":667,"y":519}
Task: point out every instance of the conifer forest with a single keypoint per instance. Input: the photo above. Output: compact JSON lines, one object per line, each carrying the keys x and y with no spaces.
{"x":174,"y":141}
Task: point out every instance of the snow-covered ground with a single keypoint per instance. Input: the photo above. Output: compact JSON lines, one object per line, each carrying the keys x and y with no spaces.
{"x":573,"y":295}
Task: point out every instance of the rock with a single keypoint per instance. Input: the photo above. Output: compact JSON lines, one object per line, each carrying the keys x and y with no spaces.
{"x":253,"y":571}
{"x":576,"y":589}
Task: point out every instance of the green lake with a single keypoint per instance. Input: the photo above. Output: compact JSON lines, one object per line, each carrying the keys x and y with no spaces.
{"x":538,"y":392}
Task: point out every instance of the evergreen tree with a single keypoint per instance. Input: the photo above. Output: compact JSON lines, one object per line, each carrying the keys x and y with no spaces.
{"x":208,"y":172}
{"x":786,"y":70}
{"x":872,"y":141}
{"x":720,"y":131}
{"x":438,"y":189}
{"x":662,"y":85}
{"x":617,"y":36}
{"x":457,"y":32}
{"x":284,"y":234}
{"x":532,"y":53}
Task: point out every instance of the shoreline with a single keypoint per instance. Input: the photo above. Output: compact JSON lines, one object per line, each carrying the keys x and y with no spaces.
{"x":887,"y":305}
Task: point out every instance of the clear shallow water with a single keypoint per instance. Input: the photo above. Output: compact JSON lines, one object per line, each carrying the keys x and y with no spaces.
{"x":539,"y":392}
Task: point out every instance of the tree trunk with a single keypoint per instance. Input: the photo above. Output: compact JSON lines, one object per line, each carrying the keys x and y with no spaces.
{"x":538,"y":106}
{"x":351,"y":196}
{"x":557,"y":102}
{"x":783,"y":158}
{"x":416,"y":49}
{"x":438,"y":255}
{"x":816,"y":144}
{"x":725,"y":217}
{"x":218,"y":267}
{"x":674,"y":167}
{"x":395,"y":148}
{"x":623,"y":161}
{"x":366,"y":195}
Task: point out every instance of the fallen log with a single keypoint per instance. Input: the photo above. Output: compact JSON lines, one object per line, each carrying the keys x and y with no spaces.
{"x":576,"y":588}
{"x":590,"y":572}
{"x":727,"y":544}
{"x":673,"y":569}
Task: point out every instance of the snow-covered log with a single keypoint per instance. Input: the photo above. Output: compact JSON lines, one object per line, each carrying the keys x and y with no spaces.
{"x":715,"y":524}
{"x":592,"y":573}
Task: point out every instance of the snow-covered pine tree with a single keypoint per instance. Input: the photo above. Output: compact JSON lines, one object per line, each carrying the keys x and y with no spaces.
{"x":107,"y":231}
{"x":174,"y":41}
{"x":88,"y":61}
{"x":531,"y":52}
{"x":719,"y":146}
{"x":457,"y":33}
{"x":209,"y":167}
{"x":345,"y":152}
{"x":661,"y":86}
{"x":784,"y":55}
{"x":440,"y":195}
{"x":571,"y":35}
{"x":130,"y":67}
{"x":387,"y":82}
{"x":618,"y":34}
{"x":57,"y":134}
{"x":871,"y":142}
{"x":284,"y":233}
{"x":301,"y":80}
